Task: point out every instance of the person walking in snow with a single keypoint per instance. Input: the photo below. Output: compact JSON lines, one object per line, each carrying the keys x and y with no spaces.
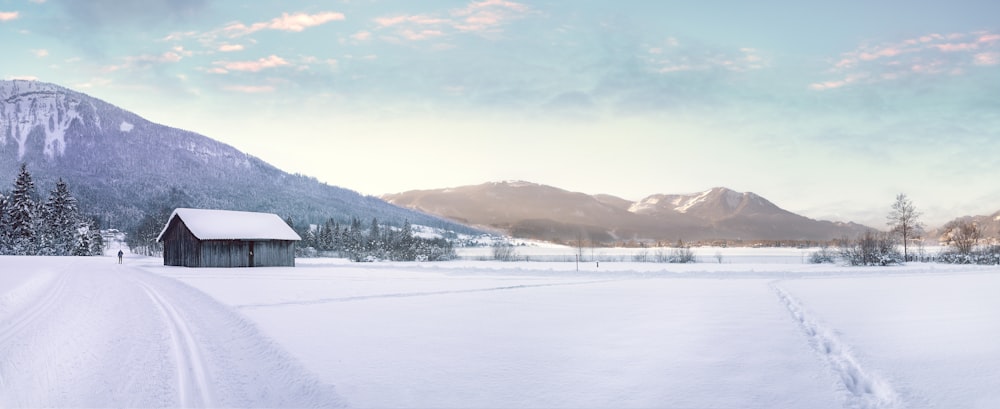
{"x":120,"y":254}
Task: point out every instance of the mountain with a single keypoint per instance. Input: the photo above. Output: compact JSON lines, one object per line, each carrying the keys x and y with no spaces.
{"x":532,"y":210}
{"x":989,"y":227}
{"x":120,"y":166}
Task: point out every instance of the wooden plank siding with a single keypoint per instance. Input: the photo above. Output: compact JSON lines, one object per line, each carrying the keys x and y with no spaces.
{"x":182,"y":248}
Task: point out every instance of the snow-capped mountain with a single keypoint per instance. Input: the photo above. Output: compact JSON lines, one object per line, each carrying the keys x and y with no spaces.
{"x":544,"y":212}
{"x":121,"y":166}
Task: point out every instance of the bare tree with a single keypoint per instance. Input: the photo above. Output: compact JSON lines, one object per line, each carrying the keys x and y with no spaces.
{"x":904,"y":221}
{"x":964,"y":236}
{"x":504,"y":251}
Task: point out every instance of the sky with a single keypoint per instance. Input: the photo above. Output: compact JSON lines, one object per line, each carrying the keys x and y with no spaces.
{"x":827,"y":109}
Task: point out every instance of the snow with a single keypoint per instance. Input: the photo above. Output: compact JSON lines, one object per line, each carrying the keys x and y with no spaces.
{"x":683,"y":208}
{"x":644,"y":204}
{"x":481,"y":334}
{"x":48,"y":108}
{"x":207,"y":224}
{"x":125,"y":127}
{"x":86,"y":332}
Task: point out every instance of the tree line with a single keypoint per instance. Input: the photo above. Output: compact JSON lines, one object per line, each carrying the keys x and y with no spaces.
{"x":30,"y":226}
{"x":374,"y":243}
{"x":964,"y":238}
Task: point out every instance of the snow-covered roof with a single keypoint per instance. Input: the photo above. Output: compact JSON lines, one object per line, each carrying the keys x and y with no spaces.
{"x":208,"y":224}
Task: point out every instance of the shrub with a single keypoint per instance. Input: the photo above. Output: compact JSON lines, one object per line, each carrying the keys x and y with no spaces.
{"x":823,"y":255}
{"x":871,"y":249}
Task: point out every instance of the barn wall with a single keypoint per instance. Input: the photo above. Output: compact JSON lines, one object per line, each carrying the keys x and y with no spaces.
{"x":225,"y":253}
{"x":236,"y":253}
{"x":274,"y":253}
{"x":180,"y":247}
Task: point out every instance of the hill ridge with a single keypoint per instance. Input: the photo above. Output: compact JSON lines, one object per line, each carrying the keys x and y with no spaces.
{"x":548,"y":212}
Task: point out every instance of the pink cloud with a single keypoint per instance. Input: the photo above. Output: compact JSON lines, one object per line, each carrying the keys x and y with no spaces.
{"x":251,"y":89}
{"x":989,"y":38}
{"x":846,"y":63}
{"x":992,"y":58}
{"x":230,"y":47}
{"x":271,"y":61}
{"x":478,"y":16}
{"x":9,"y":15}
{"x":931,"y":37}
{"x":487,"y":14}
{"x":362,"y":35}
{"x":932,"y":54}
{"x":826,"y":85}
{"x":287,"y":22}
{"x":885,"y":52}
{"x":421,"y":35}
{"x":956,"y":47}
{"x":498,"y":3}
{"x":418,"y":19}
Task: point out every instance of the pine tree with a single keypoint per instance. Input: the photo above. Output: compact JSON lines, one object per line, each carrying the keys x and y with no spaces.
{"x":61,"y":220}
{"x":374,"y":237}
{"x":22,"y":215}
{"x":96,"y":240}
{"x":82,"y":245}
{"x":4,"y":226}
{"x":405,"y":246}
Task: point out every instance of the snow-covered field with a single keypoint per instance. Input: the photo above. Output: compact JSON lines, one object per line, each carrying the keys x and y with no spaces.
{"x":483,"y":334}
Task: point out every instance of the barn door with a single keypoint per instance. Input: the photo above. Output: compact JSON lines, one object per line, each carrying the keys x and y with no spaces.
{"x":251,"y":255}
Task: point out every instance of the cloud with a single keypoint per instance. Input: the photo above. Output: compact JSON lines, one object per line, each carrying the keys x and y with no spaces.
{"x":362,"y":35}
{"x":420,"y":19}
{"x":9,"y":15}
{"x":147,"y":60}
{"x":420,"y":35}
{"x":838,"y":83}
{"x":230,"y":47}
{"x":40,"y":53}
{"x":217,"y":39}
{"x":488,"y":16}
{"x":250,"y":89}
{"x":108,"y":13}
{"x":21,"y":77}
{"x":296,"y":22}
{"x":672,"y":57}
{"x":988,"y":58}
{"x":931,"y":54}
{"x":271,"y":61}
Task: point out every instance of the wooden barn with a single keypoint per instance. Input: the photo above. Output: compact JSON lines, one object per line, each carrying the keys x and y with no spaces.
{"x":223,"y":238}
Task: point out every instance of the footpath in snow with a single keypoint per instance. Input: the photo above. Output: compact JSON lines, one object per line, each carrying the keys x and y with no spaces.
{"x":86,"y":332}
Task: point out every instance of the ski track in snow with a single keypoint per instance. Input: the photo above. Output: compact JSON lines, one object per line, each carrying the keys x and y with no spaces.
{"x":866,"y":389}
{"x":9,"y":330}
{"x":413,"y":294}
{"x":82,"y":332}
{"x":12,"y":327}
{"x":192,"y":384}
